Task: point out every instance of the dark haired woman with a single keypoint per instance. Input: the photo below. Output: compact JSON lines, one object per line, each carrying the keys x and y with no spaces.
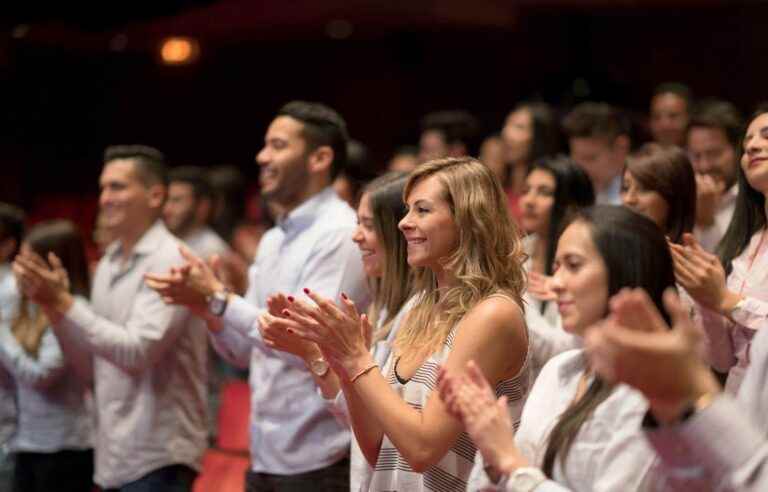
{"x":52,"y":442}
{"x":577,"y":432}
{"x":555,"y":188}
{"x":659,"y":183}
{"x":530,"y":132}
{"x":732,"y":289}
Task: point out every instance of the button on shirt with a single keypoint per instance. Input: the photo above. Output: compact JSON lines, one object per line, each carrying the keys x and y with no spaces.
{"x":149,"y":364}
{"x":292,"y":429}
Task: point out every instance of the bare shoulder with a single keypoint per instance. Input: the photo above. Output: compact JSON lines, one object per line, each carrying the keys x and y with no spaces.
{"x":497,"y":315}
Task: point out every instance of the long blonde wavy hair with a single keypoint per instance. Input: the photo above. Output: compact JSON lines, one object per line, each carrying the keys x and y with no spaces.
{"x":488,"y":259}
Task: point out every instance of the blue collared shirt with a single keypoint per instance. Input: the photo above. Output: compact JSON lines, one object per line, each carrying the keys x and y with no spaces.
{"x":292,"y":429}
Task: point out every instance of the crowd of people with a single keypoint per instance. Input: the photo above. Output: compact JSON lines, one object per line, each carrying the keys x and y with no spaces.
{"x":528,"y":320}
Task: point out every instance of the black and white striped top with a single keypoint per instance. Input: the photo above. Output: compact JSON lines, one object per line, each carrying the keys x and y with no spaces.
{"x":451,"y":473}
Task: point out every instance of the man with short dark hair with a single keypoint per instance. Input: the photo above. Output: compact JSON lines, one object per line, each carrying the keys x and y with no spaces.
{"x":187,"y":211}
{"x":714,"y":143}
{"x":149,"y":358}
{"x":670,"y":112}
{"x":296,"y":443}
{"x":598,"y":137}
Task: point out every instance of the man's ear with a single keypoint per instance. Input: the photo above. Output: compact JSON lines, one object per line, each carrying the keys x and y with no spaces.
{"x":156,"y":193}
{"x":320,"y":159}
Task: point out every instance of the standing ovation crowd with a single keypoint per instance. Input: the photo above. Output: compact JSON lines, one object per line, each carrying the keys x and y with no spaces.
{"x":526,"y":321}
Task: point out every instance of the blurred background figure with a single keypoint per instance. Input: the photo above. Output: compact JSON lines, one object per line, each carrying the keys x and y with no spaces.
{"x":358,"y":172}
{"x":714,"y":147}
{"x":598,"y":137}
{"x":53,"y":442}
{"x":11,"y":233}
{"x":670,"y":112}
{"x":404,"y":159}
{"x":448,"y":134}
{"x":530,"y":132}
{"x":187,"y":211}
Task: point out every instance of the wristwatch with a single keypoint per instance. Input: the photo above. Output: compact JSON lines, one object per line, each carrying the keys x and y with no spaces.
{"x":525,"y":479}
{"x":217,"y":302}
{"x":319,"y":367}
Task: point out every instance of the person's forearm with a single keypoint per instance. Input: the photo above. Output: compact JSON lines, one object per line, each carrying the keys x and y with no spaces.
{"x":367,"y":430}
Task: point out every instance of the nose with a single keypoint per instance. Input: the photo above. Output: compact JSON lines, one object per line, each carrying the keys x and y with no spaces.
{"x":405,"y":223}
{"x":262,"y":157}
{"x":357,"y":236}
{"x":556,"y":282}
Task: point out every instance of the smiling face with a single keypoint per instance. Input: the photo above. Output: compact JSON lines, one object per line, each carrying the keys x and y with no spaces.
{"x":669,"y":118}
{"x":754,"y":162}
{"x":537,"y":202}
{"x":127,"y":205}
{"x":580,"y":279}
{"x":367,"y":239}
{"x":644,"y":201}
{"x":284,"y":170}
{"x":429,"y":227}
{"x":712,"y":154}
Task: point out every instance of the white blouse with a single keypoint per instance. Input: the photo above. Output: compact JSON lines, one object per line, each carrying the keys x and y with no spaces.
{"x":610,"y":452}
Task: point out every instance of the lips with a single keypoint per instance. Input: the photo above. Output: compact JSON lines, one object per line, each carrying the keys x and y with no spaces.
{"x":414,"y":241}
{"x":563,"y":305}
{"x":367,"y":253}
{"x":755,"y":161}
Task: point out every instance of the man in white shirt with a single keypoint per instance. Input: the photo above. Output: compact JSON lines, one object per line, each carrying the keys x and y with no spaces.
{"x":714,"y":143}
{"x":296,"y":443}
{"x":188,"y":209}
{"x":149,"y":358}
{"x":599,"y":141}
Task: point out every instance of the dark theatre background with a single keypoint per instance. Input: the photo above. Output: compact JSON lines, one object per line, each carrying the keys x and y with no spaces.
{"x":77,"y":78}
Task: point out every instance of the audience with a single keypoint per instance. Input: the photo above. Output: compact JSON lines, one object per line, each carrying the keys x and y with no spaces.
{"x":555,"y":189}
{"x":149,"y":358}
{"x":187,"y":211}
{"x":296,"y":443}
{"x":530,"y":133}
{"x":577,"y":431}
{"x":466,"y":256}
{"x":53,"y":439}
{"x":598,"y":137}
{"x":714,"y":143}
{"x":729,"y":289}
{"x":461,"y":355}
{"x":670,"y":112}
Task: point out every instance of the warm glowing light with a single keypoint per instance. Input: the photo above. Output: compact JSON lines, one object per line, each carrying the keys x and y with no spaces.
{"x":179,"y":51}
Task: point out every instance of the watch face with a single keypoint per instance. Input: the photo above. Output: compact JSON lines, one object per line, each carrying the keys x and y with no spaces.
{"x":217,"y":304}
{"x":319,"y":367}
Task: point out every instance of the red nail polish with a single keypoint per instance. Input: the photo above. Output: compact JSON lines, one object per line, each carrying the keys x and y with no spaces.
{"x":344,"y":296}
{"x":290,"y":298}
{"x":286,"y":312}
{"x":306,"y":291}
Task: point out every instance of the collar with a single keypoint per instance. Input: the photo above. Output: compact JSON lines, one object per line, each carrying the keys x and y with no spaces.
{"x":149,"y":242}
{"x":573,"y":365}
{"x":729,"y":197}
{"x":306,"y":213}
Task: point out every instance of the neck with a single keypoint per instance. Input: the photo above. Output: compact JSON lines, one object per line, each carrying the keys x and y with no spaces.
{"x":517,"y":176}
{"x":539,"y":257}
{"x":314,"y":187}
{"x":129,"y":239}
{"x":443,"y":277}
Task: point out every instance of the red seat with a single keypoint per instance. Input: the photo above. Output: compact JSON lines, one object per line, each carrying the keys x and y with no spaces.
{"x":224,"y":467}
{"x":234,"y":416}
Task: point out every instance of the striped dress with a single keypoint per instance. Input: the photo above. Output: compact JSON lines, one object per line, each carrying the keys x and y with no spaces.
{"x":451,"y":473}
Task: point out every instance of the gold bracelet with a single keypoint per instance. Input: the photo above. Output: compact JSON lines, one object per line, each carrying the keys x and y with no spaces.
{"x":363,"y":372}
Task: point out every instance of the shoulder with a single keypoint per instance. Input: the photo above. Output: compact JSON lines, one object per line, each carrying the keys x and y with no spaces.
{"x":494,"y":317}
